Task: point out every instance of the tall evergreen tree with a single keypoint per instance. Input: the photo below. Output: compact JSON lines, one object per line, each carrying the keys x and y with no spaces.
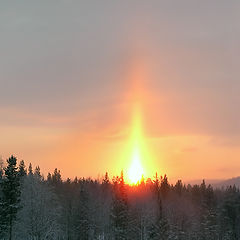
{"x":39,"y":213}
{"x":11,"y":196}
{"x":22,"y":169}
{"x":1,"y":196}
{"x":37,"y":173}
{"x":106,"y":181}
{"x":30,"y":169}
{"x":82,"y":224}
{"x":165,"y":187}
{"x":119,"y":212}
{"x":56,"y":177}
{"x":160,"y":229}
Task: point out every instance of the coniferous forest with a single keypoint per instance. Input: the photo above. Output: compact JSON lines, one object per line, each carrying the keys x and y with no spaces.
{"x":33,"y":207}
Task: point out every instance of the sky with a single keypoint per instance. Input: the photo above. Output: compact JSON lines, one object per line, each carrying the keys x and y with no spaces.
{"x":75,"y":74}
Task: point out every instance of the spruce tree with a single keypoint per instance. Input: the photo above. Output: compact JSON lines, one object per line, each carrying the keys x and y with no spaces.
{"x":1,"y":195}
{"x":164,"y":187}
{"x":119,"y":213}
{"x":56,"y":177}
{"x":81,"y":216}
{"x":11,"y":195}
{"x":30,"y":169}
{"x":106,"y":181}
{"x":22,"y":169}
{"x":160,"y":229}
{"x":37,"y":173}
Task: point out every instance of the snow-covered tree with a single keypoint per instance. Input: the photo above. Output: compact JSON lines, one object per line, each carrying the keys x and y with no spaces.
{"x":38,"y":217}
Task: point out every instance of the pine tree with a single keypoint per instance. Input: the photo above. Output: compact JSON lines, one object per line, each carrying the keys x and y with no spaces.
{"x":165,"y":187}
{"x":30,"y":169}
{"x":104,"y":203}
{"x":11,"y":195}
{"x":208,"y":217}
{"x":56,"y":177}
{"x":209,"y":227}
{"x":178,"y":187}
{"x":37,"y":173}
{"x":160,"y":229}
{"x":39,"y":214}
{"x":82,"y":224}
{"x":2,"y":226}
{"x":119,"y":213}
{"x":230,"y":212}
{"x":22,"y":169}
{"x":106,"y":181}
{"x":49,"y":177}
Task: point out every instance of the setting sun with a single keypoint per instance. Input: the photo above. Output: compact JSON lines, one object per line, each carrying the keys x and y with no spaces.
{"x":140,"y":161}
{"x":135,"y":171}
{"x":138,"y":152}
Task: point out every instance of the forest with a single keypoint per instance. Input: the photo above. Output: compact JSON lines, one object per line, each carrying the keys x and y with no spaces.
{"x":34,"y":208}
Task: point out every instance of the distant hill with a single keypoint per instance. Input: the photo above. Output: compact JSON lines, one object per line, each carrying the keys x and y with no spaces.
{"x":218,"y":183}
{"x":228,"y":182}
{"x":207,"y":181}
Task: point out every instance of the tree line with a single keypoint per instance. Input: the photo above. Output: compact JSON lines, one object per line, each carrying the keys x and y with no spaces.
{"x":35,"y":208}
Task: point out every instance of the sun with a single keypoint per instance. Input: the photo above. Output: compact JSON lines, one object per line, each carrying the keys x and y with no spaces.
{"x":135,"y":172}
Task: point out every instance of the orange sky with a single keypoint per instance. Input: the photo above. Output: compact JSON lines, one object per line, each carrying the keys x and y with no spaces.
{"x":95,"y":147}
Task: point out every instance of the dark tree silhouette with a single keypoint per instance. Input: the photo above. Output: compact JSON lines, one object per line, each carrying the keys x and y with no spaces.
{"x":119,"y":213}
{"x":22,"y":169}
{"x":104,"y":209}
{"x":11,"y":195}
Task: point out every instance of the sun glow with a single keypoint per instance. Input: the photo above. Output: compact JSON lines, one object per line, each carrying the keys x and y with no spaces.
{"x":139,"y":160}
{"x":136,"y":170}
